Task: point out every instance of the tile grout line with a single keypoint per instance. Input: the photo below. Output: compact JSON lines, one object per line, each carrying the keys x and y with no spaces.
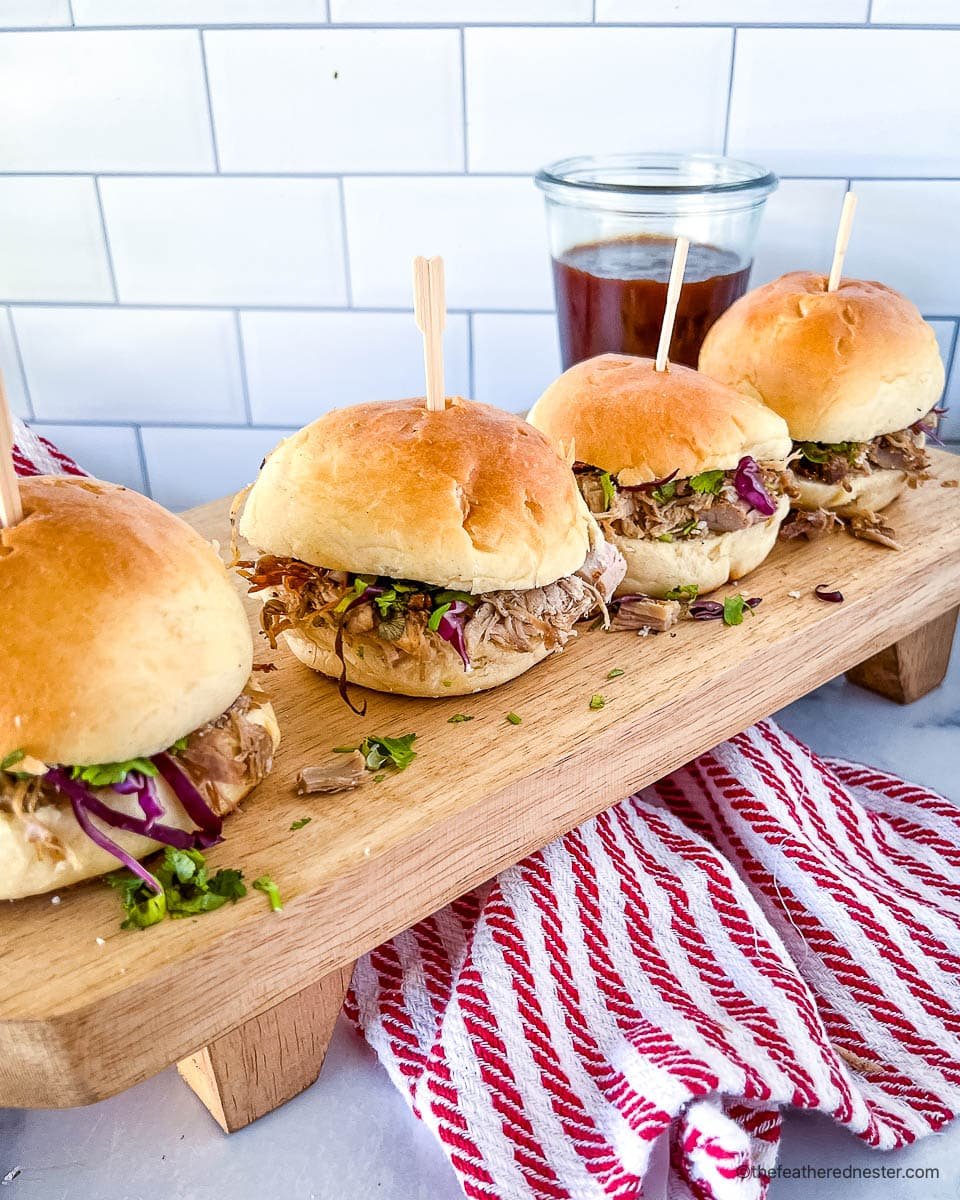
{"x":142,"y":456}
{"x":106,"y":240}
{"x":18,"y":353}
{"x":206,"y":88}
{"x":241,"y":351}
{"x":416,"y":26}
{"x":733,"y":61}
{"x":464,"y":124}
{"x":142,"y":176}
{"x":345,"y":242}
{"x":73,"y":20}
{"x":471,"y":358}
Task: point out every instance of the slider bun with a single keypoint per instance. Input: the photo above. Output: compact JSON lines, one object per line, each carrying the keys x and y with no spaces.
{"x":471,"y":498}
{"x":425,"y":676}
{"x":870,"y":493}
{"x":27,"y":872}
{"x":122,"y":631}
{"x":654,"y":568}
{"x":840,"y":366}
{"x":641,"y":424}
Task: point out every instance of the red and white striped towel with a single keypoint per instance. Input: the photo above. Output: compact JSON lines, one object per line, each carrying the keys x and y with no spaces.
{"x":762,"y":928}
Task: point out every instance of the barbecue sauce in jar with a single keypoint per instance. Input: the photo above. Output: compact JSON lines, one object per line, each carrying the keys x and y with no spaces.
{"x":611,"y":296}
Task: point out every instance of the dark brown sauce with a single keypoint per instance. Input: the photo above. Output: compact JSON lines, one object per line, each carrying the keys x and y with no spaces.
{"x":611,"y":297}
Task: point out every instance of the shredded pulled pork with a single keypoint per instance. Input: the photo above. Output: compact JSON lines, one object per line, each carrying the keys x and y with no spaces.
{"x":871,"y":527}
{"x":841,"y":461}
{"x":810,"y":525}
{"x":513,"y":619}
{"x":338,"y":777}
{"x":675,"y":510}
{"x":644,"y":612}
{"x":231,"y":750}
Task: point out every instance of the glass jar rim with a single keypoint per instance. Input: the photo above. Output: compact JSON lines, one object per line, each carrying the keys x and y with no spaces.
{"x":742,"y":176}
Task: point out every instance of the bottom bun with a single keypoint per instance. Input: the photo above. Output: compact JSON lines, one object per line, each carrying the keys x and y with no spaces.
{"x":384,"y":669}
{"x":654,"y":568}
{"x":27,"y":871}
{"x":870,"y":493}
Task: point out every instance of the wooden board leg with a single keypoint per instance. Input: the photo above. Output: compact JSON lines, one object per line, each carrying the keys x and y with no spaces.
{"x":270,"y":1059}
{"x":913,"y":666}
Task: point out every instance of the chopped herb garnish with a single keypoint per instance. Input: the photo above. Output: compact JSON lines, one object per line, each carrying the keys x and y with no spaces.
{"x":12,"y":759}
{"x":105,"y":774}
{"x":187,"y":890}
{"x":458,"y":719}
{"x":597,"y":701}
{"x":181,"y":743}
{"x":379,"y":778}
{"x":396,"y":752}
{"x":687,"y":530}
{"x":609,"y":491}
{"x":707,"y":481}
{"x":266,"y":885}
{"x":734,"y":609}
{"x":437,"y":615}
{"x":665,"y":492}
{"x":664,"y":537}
{"x":513,"y":718}
{"x":300,"y":822}
{"x":616,"y":673}
{"x":683,"y":591}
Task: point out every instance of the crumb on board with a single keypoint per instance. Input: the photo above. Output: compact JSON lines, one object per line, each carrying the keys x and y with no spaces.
{"x":794,"y":595}
{"x":54,"y":899}
{"x":100,"y":941}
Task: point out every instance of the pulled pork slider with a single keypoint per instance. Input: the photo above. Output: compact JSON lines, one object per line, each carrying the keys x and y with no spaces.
{"x":127,"y":717}
{"x":684,"y":475}
{"x":426,"y":553}
{"x":856,"y":373}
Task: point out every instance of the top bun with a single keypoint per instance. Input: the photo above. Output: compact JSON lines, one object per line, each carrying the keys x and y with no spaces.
{"x":640,"y":424}
{"x":122,"y":631}
{"x":843,"y":366}
{"x":470,"y":497}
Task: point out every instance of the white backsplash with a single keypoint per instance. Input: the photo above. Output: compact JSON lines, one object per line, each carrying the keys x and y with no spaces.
{"x":208,"y":207}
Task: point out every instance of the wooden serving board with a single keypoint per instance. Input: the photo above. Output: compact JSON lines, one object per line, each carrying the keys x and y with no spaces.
{"x":247,"y":997}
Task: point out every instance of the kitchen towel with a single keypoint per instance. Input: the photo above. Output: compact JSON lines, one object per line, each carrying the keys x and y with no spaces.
{"x":762,"y":928}
{"x":36,"y":455}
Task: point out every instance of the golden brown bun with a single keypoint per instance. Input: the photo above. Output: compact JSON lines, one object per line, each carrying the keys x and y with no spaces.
{"x":640,"y":424}
{"x":869,"y":494}
{"x":441,"y":673}
{"x":121,"y":628}
{"x":654,"y":568}
{"x":470,"y":498}
{"x":840,"y":366}
{"x":26,"y":872}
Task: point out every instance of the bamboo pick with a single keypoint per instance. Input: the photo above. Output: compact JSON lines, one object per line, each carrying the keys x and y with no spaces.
{"x":843,"y":240}
{"x":673,"y":299}
{"x":430,"y":312}
{"x":11,"y":509}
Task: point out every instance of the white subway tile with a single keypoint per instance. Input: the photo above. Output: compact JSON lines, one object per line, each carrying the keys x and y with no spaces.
{"x":945,"y":331}
{"x":15,"y":14}
{"x":106,"y":451}
{"x":515,"y":357}
{"x":226,"y":241}
{"x":103,"y":101}
{"x":491,"y":233}
{"x":498,"y":12}
{"x":950,"y":423}
{"x":915,"y":12}
{"x":51,"y":240}
{"x":798,"y":229}
{"x":300,"y":365}
{"x":198,"y":12}
{"x":847,"y":101}
{"x":10,"y":367}
{"x":119,"y":364}
{"x":191,"y":466}
{"x":722,"y":12}
{"x":908,"y":236}
{"x":539,"y":94}
{"x":336,"y":100}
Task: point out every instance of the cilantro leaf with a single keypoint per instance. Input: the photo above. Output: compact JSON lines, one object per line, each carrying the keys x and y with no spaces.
{"x":11,"y":760}
{"x":683,"y":591}
{"x":437,"y":616}
{"x":105,"y":774}
{"x":266,"y":885}
{"x":734,"y":609}
{"x":616,"y":673}
{"x":396,"y":750}
{"x":597,"y":701}
{"x":609,"y":490}
{"x":300,"y":822}
{"x":513,"y":718}
{"x":665,"y":492}
{"x":187,"y":891}
{"x":458,"y":719}
{"x":707,"y":481}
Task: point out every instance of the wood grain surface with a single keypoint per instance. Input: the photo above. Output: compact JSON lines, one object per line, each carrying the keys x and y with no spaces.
{"x":80,"y":1021}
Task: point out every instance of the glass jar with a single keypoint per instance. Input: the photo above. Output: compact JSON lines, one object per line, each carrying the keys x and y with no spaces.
{"x":613,"y":221}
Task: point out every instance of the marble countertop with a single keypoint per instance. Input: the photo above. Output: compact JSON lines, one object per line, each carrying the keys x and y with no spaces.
{"x":351,"y":1137}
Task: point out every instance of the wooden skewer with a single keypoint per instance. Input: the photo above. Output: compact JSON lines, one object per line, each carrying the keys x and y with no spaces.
{"x":673,"y":299}
{"x":11,"y":510}
{"x":430,"y":312}
{"x":843,"y":240}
